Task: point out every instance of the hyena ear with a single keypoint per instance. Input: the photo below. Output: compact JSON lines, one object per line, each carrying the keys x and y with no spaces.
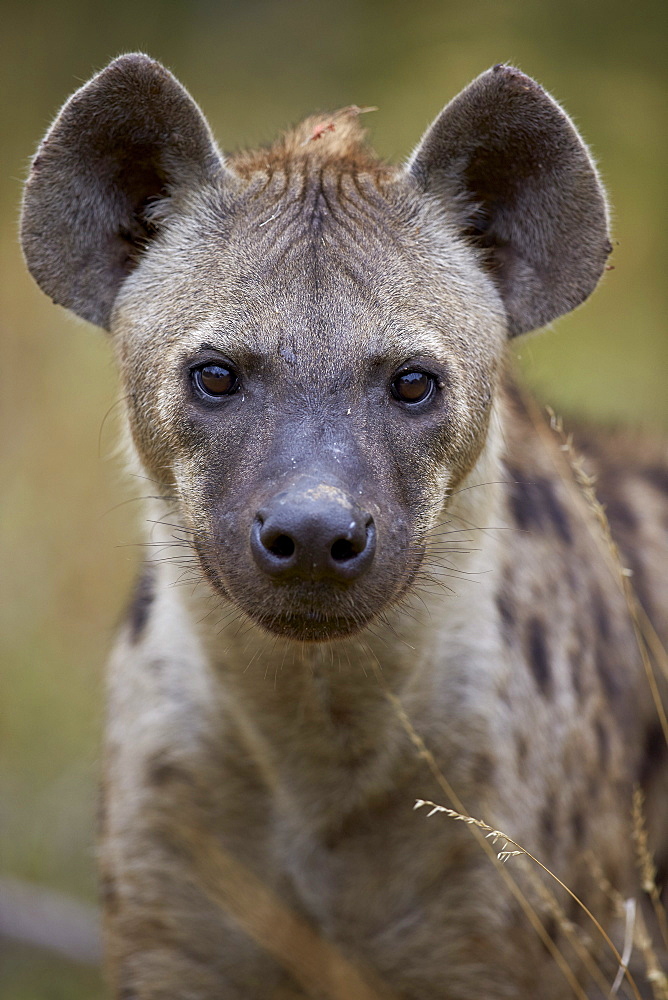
{"x":127,"y":139}
{"x":506,"y":156}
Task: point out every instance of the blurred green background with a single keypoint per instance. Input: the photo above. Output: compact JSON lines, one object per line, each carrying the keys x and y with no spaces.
{"x":67,"y":533}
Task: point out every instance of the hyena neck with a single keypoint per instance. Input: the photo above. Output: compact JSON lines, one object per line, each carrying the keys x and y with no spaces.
{"x":322,"y":719}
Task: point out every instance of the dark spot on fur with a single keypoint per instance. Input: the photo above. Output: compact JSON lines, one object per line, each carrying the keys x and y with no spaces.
{"x":578,"y":826}
{"x":621,"y":516}
{"x":548,"y":824}
{"x":654,"y":755}
{"x":508,"y":578}
{"x":657,"y":475}
{"x":582,"y":888}
{"x":160,"y":771}
{"x":551,"y":928}
{"x":605,"y":668}
{"x":522,"y":501}
{"x":537,"y":654}
{"x":623,"y":523}
{"x":140,"y":603}
{"x":506,"y":614}
{"x":535,"y":506}
{"x":603,"y":741}
{"x":556,"y":513}
{"x":483,"y":769}
{"x":607,"y":658}
{"x":522,"y":755}
{"x":601,"y":616}
{"x":516,"y":915}
{"x":575,"y":660}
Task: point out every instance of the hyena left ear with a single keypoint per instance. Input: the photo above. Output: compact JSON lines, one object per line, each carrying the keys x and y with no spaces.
{"x":510,"y":163}
{"x":132,"y":137}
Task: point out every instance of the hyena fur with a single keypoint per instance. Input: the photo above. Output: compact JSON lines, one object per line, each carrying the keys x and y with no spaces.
{"x":374,"y":534}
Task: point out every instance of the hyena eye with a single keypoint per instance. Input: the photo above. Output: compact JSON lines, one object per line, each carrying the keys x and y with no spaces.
{"x":214,"y":380}
{"x":413,"y":387}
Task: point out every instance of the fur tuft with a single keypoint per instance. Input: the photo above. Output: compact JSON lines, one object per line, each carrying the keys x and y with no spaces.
{"x":327,"y":138}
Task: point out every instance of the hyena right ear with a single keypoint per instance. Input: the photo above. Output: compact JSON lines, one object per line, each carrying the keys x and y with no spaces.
{"x":510,"y":164}
{"x":128,"y":138}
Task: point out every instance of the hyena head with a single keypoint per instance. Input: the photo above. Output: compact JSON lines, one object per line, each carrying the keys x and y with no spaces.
{"x":310,"y":340}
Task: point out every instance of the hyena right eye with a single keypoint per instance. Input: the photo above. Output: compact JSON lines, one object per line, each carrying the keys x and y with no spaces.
{"x":214,"y":380}
{"x":414,"y":386}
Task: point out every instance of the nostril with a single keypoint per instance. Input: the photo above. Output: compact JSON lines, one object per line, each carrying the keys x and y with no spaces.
{"x":343,"y":550}
{"x":346,"y":549}
{"x":268,"y":538}
{"x":282,"y":546}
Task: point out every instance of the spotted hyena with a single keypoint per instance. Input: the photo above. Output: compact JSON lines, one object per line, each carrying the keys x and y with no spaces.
{"x":394,"y":587}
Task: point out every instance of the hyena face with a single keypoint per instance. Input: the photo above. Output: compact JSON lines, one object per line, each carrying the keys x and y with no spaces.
{"x":310,"y":340}
{"x":307,"y":403}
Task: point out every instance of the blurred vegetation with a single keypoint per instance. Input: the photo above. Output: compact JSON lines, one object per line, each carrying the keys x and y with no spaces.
{"x":255,"y":66}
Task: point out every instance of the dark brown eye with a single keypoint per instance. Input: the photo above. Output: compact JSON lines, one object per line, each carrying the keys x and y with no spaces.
{"x":413,"y":387}
{"x":215,"y":380}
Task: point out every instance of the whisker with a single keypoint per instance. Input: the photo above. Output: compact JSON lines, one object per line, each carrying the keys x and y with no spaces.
{"x":171,"y":524}
{"x":123,"y":503}
{"x":476,"y":486}
{"x":111,"y":409}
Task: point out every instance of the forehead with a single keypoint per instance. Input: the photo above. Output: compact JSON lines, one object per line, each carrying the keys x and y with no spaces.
{"x":310,"y":256}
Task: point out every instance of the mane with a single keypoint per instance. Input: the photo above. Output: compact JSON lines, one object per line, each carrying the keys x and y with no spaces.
{"x":326,"y":139}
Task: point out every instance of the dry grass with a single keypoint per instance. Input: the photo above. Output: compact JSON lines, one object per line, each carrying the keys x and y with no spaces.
{"x":487,"y":837}
{"x":570,"y":931}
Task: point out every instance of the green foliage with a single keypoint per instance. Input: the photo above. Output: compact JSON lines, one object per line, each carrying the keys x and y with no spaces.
{"x":27,"y":975}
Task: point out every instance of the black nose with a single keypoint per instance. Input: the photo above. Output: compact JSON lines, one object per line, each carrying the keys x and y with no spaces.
{"x":314,"y":532}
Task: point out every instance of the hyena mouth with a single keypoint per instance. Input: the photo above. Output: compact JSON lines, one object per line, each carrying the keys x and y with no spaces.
{"x":314,"y":627}
{"x":308,"y":610}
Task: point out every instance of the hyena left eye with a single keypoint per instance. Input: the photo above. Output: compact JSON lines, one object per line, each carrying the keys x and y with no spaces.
{"x":214,"y":380}
{"x":413,"y":386}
